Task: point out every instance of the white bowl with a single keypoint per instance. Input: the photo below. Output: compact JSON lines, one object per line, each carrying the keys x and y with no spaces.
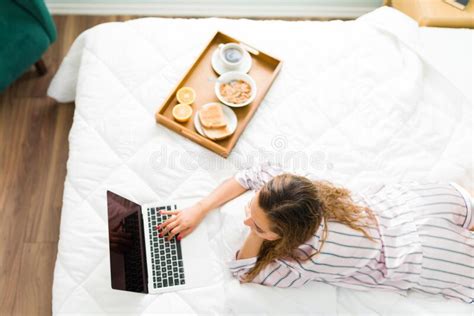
{"x":234,"y":75}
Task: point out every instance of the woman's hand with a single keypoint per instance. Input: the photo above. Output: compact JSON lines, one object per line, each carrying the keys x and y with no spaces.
{"x":251,"y":246}
{"x":185,"y":221}
{"x":181,"y":222}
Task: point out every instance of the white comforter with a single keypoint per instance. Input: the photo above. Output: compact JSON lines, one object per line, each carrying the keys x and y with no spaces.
{"x":355,"y":102}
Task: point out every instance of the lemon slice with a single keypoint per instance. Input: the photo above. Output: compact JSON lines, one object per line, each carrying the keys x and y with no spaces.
{"x":186,"y":95}
{"x":182,"y":112}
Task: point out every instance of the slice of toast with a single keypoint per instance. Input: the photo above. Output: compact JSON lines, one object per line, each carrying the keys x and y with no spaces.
{"x":217,"y":133}
{"x":212,"y":116}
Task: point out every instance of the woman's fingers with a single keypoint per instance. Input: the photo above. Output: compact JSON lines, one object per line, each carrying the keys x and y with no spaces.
{"x":169,"y":212}
{"x":173,"y":232}
{"x":184,"y":233}
{"x":167,"y":222}
{"x":169,"y":227}
{"x":180,"y":224}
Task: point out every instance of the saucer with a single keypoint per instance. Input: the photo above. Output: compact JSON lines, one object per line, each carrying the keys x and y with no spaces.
{"x":228,"y":113}
{"x":220,"y":68}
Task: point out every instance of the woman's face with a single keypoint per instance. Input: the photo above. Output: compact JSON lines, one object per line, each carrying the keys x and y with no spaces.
{"x":258,"y":221}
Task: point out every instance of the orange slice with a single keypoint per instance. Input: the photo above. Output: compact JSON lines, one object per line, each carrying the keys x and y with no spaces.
{"x":186,"y":95}
{"x":182,"y":112}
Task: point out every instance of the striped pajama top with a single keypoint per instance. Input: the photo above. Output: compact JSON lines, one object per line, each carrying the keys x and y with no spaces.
{"x":421,"y":242}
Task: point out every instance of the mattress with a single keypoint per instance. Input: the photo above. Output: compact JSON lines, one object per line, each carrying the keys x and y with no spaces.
{"x":356,"y":102}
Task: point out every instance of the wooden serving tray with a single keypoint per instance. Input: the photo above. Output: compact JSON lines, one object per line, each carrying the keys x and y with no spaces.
{"x":201,"y":77}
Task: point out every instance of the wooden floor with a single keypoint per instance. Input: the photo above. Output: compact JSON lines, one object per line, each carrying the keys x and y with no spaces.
{"x":34,"y":149}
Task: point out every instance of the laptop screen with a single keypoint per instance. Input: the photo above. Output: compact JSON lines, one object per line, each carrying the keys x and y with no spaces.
{"x":126,"y":244}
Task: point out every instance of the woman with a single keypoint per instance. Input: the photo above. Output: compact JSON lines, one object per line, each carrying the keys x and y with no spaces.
{"x":396,"y":237}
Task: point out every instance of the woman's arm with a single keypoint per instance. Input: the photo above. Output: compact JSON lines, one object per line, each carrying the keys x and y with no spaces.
{"x":228,"y":190}
{"x":186,"y":220}
{"x":251,"y":246}
{"x":279,"y":273}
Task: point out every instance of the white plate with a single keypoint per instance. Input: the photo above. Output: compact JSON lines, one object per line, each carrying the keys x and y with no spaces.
{"x":235,"y":75}
{"x":228,"y":113}
{"x":220,"y":68}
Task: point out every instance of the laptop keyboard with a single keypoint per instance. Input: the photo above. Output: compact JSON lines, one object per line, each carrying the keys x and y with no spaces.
{"x":166,"y":256}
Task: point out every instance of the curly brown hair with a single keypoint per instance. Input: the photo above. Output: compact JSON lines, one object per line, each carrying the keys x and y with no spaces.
{"x":295,"y":207}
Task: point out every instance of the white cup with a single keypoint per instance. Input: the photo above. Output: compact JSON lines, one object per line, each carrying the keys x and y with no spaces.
{"x":231,"y":55}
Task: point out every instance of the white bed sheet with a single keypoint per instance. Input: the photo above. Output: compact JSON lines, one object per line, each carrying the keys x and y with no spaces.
{"x":357,"y":99}
{"x":451,"y":52}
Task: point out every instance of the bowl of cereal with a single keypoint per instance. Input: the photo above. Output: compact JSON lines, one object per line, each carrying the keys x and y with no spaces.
{"x":235,"y":89}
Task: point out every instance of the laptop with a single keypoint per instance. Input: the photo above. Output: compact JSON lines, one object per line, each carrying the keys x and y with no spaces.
{"x":143,"y":262}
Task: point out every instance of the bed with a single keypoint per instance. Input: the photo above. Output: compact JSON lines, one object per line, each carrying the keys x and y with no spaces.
{"x":355,"y":102}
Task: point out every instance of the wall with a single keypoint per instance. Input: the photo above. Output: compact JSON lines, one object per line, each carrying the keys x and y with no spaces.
{"x":229,"y":8}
